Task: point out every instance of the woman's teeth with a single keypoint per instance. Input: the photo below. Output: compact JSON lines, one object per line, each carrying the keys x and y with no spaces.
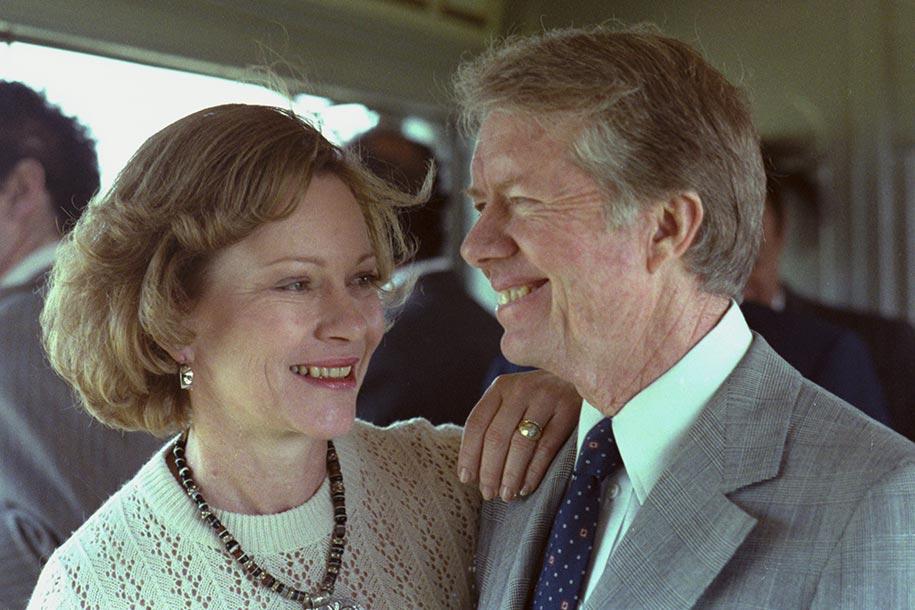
{"x":513,"y":294}
{"x":322,"y":372}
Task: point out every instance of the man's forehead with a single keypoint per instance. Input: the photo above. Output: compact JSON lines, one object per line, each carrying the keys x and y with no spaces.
{"x":513,"y":149}
{"x":509,"y":145}
{"x":504,"y":131}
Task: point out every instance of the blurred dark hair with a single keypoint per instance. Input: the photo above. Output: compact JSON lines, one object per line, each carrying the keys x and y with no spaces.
{"x":31,"y":128}
{"x":790,"y":168}
{"x":405,"y":164}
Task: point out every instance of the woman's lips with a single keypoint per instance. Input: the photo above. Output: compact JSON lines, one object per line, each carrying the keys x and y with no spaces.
{"x":338,"y":374}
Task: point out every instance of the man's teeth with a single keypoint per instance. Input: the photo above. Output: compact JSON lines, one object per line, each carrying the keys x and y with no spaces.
{"x":322,"y":372}
{"x":512,"y":294}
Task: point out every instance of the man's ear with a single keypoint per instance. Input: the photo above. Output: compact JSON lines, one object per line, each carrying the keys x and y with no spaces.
{"x":676,"y":222}
{"x":26,"y":190}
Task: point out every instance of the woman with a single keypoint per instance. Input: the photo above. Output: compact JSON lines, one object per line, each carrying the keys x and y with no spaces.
{"x":227,"y":288}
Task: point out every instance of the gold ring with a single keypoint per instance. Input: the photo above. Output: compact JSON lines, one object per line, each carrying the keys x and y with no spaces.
{"x":529,"y":429}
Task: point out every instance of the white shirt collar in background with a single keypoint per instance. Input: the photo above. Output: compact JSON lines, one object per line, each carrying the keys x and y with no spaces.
{"x":30,"y":266}
{"x":420,"y":268}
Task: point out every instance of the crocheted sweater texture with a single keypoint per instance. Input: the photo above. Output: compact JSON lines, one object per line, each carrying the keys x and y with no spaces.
{"x":410,"y":536}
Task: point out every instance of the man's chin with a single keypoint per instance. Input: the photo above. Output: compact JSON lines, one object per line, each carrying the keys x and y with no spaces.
{"x":520,"y":353}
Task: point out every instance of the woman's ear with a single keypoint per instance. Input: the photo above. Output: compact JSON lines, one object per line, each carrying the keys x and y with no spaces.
{"x":677,"y":222}
{"x":182,"y":355}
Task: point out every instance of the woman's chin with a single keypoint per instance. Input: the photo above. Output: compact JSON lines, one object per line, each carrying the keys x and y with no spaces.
{"x":330,"y":425}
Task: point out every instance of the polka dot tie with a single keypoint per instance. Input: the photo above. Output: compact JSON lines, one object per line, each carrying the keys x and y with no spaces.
{"x":561,"y":582}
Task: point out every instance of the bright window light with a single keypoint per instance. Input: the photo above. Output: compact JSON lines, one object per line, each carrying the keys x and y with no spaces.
{"x":344,"y":122}
{"x":419,"y":130}
{"x":123,"y":103}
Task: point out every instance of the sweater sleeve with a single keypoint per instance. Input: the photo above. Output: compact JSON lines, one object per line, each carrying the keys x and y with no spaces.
{"x":55,"y":588}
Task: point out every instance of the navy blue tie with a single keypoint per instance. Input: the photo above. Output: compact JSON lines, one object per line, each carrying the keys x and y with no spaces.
{"x":571,"y":542}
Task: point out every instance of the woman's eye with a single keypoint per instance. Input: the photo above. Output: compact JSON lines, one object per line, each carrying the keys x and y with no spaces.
{"x":367,"y":279}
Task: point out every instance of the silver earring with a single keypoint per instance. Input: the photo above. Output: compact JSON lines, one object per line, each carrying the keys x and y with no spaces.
{"x":185,"y":376}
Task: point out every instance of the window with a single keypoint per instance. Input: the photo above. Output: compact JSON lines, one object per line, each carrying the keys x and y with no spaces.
{"x":123,"y":103}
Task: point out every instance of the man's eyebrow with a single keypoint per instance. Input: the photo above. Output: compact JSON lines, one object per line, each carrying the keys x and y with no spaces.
{"x":503,"y":185}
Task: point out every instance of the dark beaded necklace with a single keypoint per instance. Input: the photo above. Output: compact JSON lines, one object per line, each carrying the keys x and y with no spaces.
{"x":257,"y":574}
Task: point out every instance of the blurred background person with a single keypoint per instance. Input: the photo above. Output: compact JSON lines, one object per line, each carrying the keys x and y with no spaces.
{"x":442,"y":341}
{"x":854,"y":354}
{"x":50,"y":449}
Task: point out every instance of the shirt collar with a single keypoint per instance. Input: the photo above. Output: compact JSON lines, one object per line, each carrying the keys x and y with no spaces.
{"x":420,"y":268}
{"x":778,"y":301}
{"x":649,"y":427}
{"x":30,"y":266}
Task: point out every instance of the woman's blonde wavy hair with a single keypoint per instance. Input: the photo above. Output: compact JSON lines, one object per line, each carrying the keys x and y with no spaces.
{"x":131,"y":269}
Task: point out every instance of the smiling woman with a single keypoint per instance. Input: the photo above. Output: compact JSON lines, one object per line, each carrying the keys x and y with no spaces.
{"x":228,"y":287}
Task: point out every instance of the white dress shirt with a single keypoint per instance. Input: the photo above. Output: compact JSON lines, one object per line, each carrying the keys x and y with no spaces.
{"x":649,"y":428}
{"x":28,"y":267}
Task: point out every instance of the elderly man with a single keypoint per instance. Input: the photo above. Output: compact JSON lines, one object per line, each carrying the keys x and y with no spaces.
{"x":620,"y":188}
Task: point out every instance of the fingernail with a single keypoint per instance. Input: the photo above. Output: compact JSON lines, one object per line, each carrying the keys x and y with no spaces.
{"x":464,"y":475}
{"x":524,"y":491}
{"x":487,"y":493}
{"x":506,"y":494}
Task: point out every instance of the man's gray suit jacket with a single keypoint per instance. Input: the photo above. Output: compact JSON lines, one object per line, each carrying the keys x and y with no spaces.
{"x":780,"y":496}
{"x":57,"y":465}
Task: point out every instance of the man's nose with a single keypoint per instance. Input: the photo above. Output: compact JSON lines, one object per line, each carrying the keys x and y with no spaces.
{"x":488,"y":238}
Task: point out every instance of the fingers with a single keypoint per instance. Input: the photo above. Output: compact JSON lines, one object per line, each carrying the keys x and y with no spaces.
{"x":505,"y":452}
{"x":543,"y":398}
{"x":474,"y":432}
{"x":494,"y":453}
{"x":562,"y":424}
{"x":520,"y":452}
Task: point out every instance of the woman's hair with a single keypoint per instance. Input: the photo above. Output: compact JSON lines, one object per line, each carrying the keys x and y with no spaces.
{"x":646,"y":116}
{"x":132,"y":268}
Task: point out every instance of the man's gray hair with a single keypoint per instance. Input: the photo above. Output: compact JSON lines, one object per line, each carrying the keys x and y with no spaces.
{"x":647,"y":118}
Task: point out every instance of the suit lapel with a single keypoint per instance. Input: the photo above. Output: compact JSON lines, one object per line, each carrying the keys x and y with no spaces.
{"x":509,"y":580}
{"x":688,"y":529}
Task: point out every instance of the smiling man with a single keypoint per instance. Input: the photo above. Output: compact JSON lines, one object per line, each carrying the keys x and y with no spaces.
{"x":620,"y":188}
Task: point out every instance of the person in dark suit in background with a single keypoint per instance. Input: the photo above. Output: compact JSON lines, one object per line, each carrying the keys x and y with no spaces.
{"x":831,"y":356}
{"x":441,"y":333}
{"x":48,"y":446}
{"x":890,"y":343}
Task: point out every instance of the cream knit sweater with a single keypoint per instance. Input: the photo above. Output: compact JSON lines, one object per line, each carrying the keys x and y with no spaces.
{"x":410,"y":537}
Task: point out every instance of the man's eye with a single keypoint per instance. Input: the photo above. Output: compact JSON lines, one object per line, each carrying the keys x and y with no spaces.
{"x":295,"y":286}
